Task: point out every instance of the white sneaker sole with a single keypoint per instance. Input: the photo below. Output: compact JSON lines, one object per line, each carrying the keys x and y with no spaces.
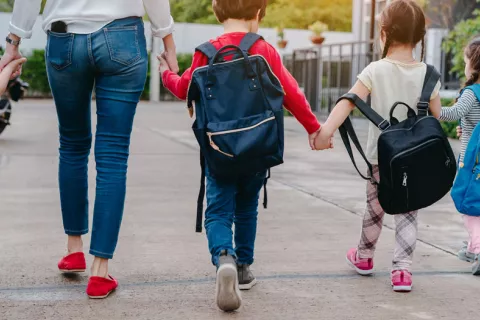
{"x":359,"y":271}
{"x":72,"y":271}
{"x":248,"y":286}
{"x":227,"y":293}
{"x":402,"y":288}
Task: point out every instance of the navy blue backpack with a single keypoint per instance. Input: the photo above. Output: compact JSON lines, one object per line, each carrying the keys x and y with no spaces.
{"x":466,"y":189}
{"x":239,"y":114}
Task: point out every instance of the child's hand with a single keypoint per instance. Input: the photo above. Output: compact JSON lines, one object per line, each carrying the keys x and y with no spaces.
{"x":163,"y":64}
{"x":324,"y":140}
{"x":312,"y":137}
{"x":10,"y":71}
{"x":459,"y":132}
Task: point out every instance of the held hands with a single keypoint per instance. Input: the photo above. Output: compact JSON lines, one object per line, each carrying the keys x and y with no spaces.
{"x":170,"y":54}
{"x":10,"y":71}
{"x":11,"y":53}
{"x":164,"y":66}
{"x":459,"y":132}
{"x":323,"y":140}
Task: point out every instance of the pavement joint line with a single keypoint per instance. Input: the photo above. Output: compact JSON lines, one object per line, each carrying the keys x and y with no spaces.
{"x":210,"y":280}
{"x":354,"y":212}
{"x":294,"y":187}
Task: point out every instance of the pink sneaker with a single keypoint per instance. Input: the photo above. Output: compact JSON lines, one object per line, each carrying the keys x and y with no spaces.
{"x":363,"y":267}
{"x":401,"y":281}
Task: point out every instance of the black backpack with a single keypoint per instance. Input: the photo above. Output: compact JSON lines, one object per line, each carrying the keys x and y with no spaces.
{"x":416,"y":162}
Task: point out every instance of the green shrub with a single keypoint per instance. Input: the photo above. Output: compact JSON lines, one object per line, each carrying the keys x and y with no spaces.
{"x":458,"y":38}
{"x":35,"y":73}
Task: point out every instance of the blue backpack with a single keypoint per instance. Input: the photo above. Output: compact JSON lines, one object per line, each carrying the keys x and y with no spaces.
{"x":466,"y":189}
{"x":239,"y":113}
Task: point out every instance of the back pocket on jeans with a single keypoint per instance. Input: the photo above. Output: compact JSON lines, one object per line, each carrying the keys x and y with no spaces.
{"x":59,"y":49}
{"x":122,"y":44}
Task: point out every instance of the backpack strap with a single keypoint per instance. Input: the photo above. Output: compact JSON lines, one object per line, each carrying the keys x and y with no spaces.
{"x":367,"y":111}
{"x":476,"y":90}
{"x":431,"y":79}
{"x":249,"y":40}
{"x":265,"y":194}
{"x":207,"y":49}
{"x":201,"y":196}
{"x":347,"y":132}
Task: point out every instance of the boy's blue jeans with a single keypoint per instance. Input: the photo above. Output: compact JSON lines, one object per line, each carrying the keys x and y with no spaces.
{"x":113,"y":61}
{"x":228,"y":202}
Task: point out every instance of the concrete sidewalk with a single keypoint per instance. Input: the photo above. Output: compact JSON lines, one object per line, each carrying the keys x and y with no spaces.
{"x":315,"y":202}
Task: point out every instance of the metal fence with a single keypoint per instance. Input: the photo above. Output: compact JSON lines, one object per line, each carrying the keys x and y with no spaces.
{"x":326,"y":72}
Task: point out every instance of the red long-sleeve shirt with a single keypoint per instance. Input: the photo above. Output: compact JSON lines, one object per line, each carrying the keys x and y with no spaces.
{"x":294,"y":100}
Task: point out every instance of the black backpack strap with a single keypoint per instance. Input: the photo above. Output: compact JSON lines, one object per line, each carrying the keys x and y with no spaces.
{"x":249,"y":40}
{"x":347,"y":132}
{"x":207,"y":49}
{"x":367,"y":111}
{"x":431,"y":79}
{"x":265,"y":195}
{"x":201,"y":196}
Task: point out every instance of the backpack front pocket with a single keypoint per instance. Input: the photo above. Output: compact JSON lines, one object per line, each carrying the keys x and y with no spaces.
{"x":251,"y":137}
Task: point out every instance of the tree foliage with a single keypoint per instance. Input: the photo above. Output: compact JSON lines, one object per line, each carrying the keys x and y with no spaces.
{"x":287,"y":13}
{"x":459,"y":37}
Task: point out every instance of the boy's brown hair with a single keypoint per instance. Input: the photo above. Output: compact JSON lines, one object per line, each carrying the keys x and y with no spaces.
{"x":403,"y":21}
{"x":239,"y":9}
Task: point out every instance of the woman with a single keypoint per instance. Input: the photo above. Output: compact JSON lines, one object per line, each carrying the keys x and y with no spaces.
{"x":93,"y":45}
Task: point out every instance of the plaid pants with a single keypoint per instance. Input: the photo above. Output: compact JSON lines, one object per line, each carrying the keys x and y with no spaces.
{"x":405,"y":230}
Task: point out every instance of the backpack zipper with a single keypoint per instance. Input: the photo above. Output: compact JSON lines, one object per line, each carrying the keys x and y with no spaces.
{"x":219,"y":133}
{"x":235,"y":60}
{"x":447,"y":162}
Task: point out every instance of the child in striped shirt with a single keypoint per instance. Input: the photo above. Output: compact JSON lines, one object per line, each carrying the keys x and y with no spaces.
{"x":467,"y":109}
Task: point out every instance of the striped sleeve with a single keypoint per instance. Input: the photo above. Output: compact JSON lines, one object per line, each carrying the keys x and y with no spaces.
{"x":461,"y":108}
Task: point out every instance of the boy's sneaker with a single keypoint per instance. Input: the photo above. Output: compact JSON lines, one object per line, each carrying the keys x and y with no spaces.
{"x":246,"y":279}
{"x":401,"y":281}
{"x":464,"y":254}
{"x":363,"y":267}
{"x":476,"y":266}
{"x":227,"y":293}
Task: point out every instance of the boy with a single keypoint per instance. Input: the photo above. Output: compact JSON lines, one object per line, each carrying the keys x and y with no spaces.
{"x":10,"y":71}
{"x":236,"y":201}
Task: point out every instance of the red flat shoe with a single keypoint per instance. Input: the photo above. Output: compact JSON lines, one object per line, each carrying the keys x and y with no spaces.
{"x":74,"y":262}
{"x":99,"y":287}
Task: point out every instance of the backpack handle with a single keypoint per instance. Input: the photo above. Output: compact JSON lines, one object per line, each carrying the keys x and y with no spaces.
{"x":411,"y":113}
{"x":248,"y":66}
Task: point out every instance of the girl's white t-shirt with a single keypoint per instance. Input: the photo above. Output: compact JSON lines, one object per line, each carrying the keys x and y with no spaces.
{"x":391,"y":81}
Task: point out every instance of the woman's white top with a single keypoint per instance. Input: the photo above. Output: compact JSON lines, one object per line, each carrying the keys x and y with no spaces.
{"x":88,"y":16}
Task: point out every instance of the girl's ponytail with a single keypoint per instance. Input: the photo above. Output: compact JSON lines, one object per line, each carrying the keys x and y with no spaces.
{"x":473,"y":79}
{"x":423,"y":49}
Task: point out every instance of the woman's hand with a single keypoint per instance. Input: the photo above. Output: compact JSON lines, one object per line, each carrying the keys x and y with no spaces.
{"x":8,"y":71}
{"x":11,"y":53}
{"x":459,"y":132}
{"x":170,"y":54}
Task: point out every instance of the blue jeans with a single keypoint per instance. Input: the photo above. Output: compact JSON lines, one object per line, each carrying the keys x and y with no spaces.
{"x":113,"y":61}
{"x":229,"y":202}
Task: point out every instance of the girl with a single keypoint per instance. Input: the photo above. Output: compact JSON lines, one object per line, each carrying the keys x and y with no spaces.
{"x":397,"y":77}
{"x":467,"y":109}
